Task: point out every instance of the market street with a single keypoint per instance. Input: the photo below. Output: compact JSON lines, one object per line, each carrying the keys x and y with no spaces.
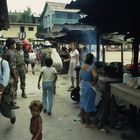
{"x":62,"y":125}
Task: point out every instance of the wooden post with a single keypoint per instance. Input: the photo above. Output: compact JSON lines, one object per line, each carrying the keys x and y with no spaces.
{"x":98,"y":46}
{"x":135,"y":47}
{"x":103,"y":51}
{"x":122,"y":46}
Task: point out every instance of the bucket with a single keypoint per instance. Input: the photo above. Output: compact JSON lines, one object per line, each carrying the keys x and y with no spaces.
{"x":126,"y":77}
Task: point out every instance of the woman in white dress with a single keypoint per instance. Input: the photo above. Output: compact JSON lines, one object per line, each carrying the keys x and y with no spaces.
{"x":74,"y":61}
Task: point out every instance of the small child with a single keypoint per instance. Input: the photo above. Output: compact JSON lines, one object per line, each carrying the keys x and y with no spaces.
{"x":36,"y":120}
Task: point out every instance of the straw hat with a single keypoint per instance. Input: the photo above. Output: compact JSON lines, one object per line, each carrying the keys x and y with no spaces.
{"x":47,"y":43}
{"x":81,"y":46}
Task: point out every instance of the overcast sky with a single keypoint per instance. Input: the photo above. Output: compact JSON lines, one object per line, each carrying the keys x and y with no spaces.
{"x":35,"y":5}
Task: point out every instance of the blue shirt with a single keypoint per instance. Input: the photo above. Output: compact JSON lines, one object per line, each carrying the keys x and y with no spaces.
{"x":5,"y":75}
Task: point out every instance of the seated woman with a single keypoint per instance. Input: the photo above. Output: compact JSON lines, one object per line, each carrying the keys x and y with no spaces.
{"x":88,"y":78}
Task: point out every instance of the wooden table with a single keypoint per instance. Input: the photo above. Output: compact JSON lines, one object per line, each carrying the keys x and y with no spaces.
{"x":104,"y":83}
{"x":132,"y":96}
{"x":123,"y":92}
{"x":104,"y":108}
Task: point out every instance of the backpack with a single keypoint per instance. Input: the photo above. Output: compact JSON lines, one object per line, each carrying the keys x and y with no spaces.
{"x":5,"y":107}
{"x":75,"y":93}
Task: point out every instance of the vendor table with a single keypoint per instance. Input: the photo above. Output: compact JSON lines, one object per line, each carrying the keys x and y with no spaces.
{"x":104,"y":107}
{"x":104,"y":82}
{"x":124,"y":93}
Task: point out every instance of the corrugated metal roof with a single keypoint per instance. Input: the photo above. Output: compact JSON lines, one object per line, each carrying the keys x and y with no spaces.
{"x":56,"y":5}
{"x":60,"y":7}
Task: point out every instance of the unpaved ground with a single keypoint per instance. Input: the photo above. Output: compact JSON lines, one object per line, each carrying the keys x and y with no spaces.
{"x":60,"y":126}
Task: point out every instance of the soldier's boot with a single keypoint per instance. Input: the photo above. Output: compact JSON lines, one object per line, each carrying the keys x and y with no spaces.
{"x":13,"y":117}
{"x":13,"y":105}
{"x":23,"y":94}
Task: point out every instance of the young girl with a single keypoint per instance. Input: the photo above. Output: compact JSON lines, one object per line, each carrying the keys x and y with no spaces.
{"x":36,"y":120}
{"x":49,"y":75}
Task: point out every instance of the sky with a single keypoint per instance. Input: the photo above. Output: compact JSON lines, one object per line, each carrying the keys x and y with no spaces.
{"x":35,"y":5}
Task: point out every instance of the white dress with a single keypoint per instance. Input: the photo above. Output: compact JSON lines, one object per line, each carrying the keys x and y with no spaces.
{"x":73,"y":63}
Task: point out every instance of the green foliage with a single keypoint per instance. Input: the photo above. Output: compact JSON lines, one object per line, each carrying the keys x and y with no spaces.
{"x":26,"y":16}
{"x":18,"y":17}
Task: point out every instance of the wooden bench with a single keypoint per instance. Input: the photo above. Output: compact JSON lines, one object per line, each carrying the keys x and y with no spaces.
{"x":132,"y":96}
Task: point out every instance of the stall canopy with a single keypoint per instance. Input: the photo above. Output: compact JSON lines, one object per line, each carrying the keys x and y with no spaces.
{"x":79,"y":35}
{"x":113,"y":16}
{"x":50,"y":36}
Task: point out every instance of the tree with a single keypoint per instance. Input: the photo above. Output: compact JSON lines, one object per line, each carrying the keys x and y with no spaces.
{"x":26,"y":16}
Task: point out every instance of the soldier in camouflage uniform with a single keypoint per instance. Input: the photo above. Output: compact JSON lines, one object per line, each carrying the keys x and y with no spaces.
{"x":9,"y":55}
{"x":21,"y":69}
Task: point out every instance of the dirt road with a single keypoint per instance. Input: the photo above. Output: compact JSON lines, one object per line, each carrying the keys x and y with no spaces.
{"x":62,"y":125}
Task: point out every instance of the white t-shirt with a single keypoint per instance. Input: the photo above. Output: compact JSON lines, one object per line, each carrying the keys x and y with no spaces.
{"x":48,"y":73}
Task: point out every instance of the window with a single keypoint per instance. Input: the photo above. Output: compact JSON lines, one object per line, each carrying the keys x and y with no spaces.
{"x":70,"y":16}
{"x":58,"y":15}
{"x":22,"y":29}
{"x":30,"y":28}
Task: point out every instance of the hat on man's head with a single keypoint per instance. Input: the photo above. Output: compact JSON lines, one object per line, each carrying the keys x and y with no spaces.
{"x":81,"y":46}
{"x":47,"y":43}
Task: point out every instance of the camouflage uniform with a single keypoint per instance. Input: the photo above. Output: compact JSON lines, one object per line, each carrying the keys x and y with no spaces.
{"x":20,"y":66}
{"x":10,"y":57}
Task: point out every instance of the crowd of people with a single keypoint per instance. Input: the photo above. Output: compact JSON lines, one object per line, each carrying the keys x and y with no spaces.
{"x":15,"y":58}
{"x":14,"y":66}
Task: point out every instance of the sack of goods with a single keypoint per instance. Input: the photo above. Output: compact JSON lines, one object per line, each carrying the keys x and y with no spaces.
{"x":32,"y":56}
{"x":57,"y":62}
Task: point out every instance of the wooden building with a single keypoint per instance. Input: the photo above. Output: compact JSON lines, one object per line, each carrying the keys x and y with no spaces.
{"x":4,"y":22}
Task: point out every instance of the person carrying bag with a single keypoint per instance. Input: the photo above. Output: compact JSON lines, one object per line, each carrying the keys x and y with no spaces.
{"x":48,"y":51}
